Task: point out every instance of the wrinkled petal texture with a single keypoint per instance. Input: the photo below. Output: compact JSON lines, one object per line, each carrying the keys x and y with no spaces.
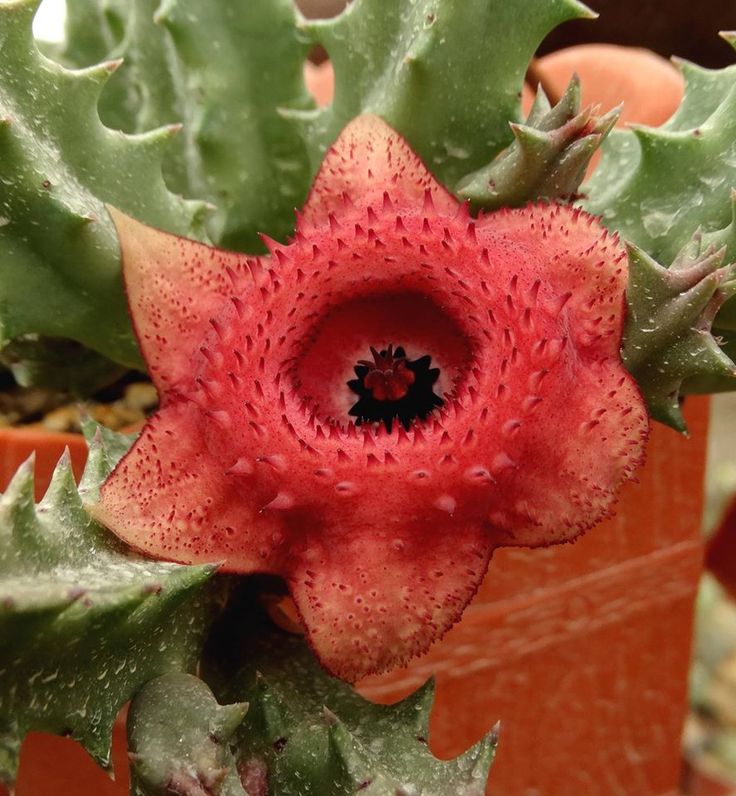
{"x":382,"y":537}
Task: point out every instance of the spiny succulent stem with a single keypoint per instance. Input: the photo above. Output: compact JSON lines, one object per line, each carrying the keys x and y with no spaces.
{"x":549,"y":155}
{"x":667,"y":339}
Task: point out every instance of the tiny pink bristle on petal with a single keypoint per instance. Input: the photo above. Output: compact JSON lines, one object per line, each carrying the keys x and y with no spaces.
{"x":383,"y":535}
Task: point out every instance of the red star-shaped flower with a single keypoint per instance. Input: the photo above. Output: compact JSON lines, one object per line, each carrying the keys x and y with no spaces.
{"x":375,"y":407}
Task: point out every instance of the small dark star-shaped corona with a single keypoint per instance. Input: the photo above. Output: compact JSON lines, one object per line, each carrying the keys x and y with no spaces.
{"x":394,"y":387}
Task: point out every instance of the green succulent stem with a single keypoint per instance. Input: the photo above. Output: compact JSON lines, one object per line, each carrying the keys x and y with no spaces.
{"x":179,"y":740}
{"x":659,"y":186}
{"x":668,"y":344}
{"x":426,"y":68}
{"x":84,"y":622}
{"x":59,"y":259}
{"x":310,"y":734}
{"x":548,"y":158}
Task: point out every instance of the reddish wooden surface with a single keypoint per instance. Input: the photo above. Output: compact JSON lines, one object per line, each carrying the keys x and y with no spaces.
{"x":582,"y":651}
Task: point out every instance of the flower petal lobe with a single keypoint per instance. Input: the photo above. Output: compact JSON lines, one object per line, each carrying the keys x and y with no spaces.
{"x":375,"y":601}
{"x":371,"y":165}
{"x":174,"y":285}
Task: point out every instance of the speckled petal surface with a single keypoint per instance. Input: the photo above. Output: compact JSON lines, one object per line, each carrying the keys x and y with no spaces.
{"x":383,"y":536}
{"x":173,"y":287}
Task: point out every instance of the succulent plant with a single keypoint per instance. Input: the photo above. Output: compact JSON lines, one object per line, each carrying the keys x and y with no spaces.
{"x":58,"y":165}
{"x":660,"y":186}
{"x":364,"y":410}
{"x":179,"y":740}
{"x":667,"y":339}
{"x":427,"y":70}
{"x":93,"y":29}
{"x":287,"y":728}
{"x":657,"y":186}
{"x":521,"y":312}
{"x":84,"y":622}
{"x":302,"y":720}
{"x":236,"y":148}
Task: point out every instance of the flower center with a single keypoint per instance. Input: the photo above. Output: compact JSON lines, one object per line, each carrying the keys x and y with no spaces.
{"x":394,"y":383}
{"x":388,"y":377}
{"x":394,"y":387}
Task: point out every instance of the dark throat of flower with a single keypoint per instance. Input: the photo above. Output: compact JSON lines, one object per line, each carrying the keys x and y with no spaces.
{"x":394,"y":387}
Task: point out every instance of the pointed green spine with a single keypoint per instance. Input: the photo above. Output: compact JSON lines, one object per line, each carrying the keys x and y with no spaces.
{"x":84,"y":622}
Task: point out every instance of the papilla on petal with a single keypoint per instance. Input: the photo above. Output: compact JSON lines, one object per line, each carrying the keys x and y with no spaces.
{"x":381,"y":521}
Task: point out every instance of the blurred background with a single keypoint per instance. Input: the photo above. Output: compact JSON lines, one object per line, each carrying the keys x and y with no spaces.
{"x":679,"y":27}
{"x":685,"y":28}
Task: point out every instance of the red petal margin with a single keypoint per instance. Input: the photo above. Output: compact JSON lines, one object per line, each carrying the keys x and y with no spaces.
{"x":174,"y":286}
